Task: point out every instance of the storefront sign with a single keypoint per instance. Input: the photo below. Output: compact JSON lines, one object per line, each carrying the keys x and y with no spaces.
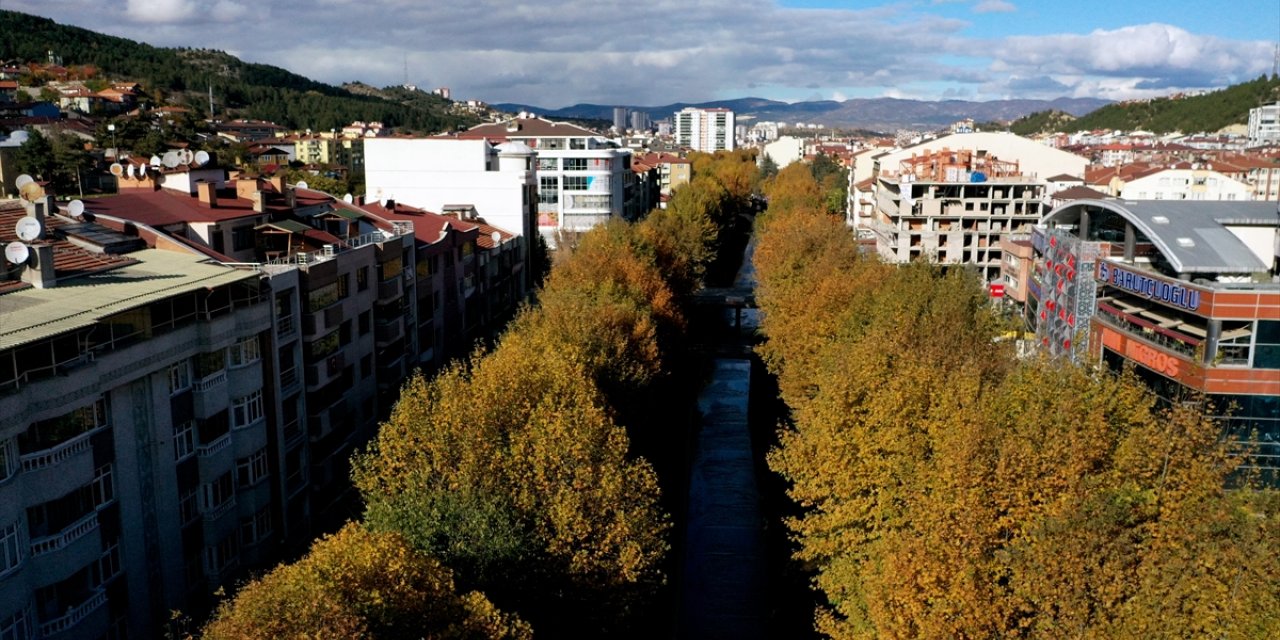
{"x":1147,"y":356}
{"x":1144,"y":285}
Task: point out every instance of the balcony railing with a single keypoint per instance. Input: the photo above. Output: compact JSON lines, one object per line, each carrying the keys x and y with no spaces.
{"x":54,"y":455}
{"x":288,"y":378}
{"x":73,"y":532}
{"x":285,"y":325}
{"x":293,"y":432}
{"x":215,"y":447}
{"x":208,"y":383}
{"x":74,"y":615}
{"x":220,"y":510}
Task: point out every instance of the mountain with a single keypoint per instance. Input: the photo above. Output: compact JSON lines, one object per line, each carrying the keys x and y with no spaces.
{"x":862,"y":113}
{"x":1189,"y":114}
{"x":241,"y":89}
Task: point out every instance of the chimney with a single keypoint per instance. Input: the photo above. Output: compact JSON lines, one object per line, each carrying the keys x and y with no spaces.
{"x":260,"y":201}
{"x":208,"y":193}
{"x":39,"y":272}
{"x":291,"y":198}
{"x":278,"y":183}
{"x":391,"y":205}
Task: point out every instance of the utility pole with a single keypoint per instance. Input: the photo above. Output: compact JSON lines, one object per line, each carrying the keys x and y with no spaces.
{"x":211,"y":101}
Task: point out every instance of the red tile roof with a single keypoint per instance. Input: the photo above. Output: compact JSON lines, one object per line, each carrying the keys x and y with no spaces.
{"x":166,"y":207}
{"x":69,"y":260}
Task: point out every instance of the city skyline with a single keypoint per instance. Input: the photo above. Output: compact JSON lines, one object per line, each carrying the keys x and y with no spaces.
{"x":663,"y":52}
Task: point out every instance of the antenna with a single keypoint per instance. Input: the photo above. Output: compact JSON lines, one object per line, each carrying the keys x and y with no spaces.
{"x":348,"y":198}
{"x":22,"y":181}
{"x":117,"y":169}
{"x":300,"y":185}
{"x":31,"y":191}
{"x":128,"y":171}
{"x":28,"y":228}
{"x":17,"y":253}
{"x":496,"y":237}
{"x":188,"y":157}
{"x":170,"y":159}
{"x":211,"y":101}
{"x":75,"y":208}
{"x":406,"y":68}
{"x":202,"y":158}
{"x":155,"y":161}
{"x":142,"y":170}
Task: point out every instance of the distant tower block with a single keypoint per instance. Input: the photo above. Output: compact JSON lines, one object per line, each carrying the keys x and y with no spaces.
{"x":443,"y":92}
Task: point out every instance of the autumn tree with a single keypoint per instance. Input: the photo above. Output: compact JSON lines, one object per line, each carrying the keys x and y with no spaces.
{"x":358,"y":583}
{"x":949,"y":490}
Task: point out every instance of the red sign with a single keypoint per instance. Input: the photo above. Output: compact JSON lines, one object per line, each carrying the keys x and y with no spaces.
{"x":997,"y":290}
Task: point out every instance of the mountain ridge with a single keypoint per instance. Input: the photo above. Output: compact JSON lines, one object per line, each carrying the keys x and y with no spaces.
{"x":862,"y":113}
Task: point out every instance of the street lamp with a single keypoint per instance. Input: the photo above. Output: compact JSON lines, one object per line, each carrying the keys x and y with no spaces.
{"x":115,"y":151}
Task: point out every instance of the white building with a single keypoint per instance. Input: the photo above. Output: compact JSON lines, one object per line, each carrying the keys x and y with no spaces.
{"x":583,"y":179}
{"x":707,"y":130}
{"x":1186,"y":184}
{"x":432,"y":173}
{"x":1264,"y":125}
{"x":784,"y":151}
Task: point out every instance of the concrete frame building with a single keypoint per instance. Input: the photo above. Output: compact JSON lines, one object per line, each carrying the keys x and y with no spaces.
{"x":952,"y":200}
{"x":708,"y":130}
{"x":1186,"y":292}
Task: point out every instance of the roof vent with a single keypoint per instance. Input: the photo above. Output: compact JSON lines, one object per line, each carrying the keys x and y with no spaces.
{"x":1186,"y":243}
{"x":1159,"y":219}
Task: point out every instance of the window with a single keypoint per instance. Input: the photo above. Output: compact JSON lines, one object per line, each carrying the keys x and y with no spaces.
{"x":208,"y":364}
{"x":241,"y":238}
{"x":180,"y":377}
{"x":362,"y":278}
{"x":1267,"y":346}
{"x":244,"y":352}
{"x":323,"y":296}
{"x":575,"y":164}
{"x":548,"y":164}
{"x":575,"y":183}
{"x":252,"y":470}
{"x":8,"y":459}
{"x":390,"y":269}
{"x":11,"y":547}
{"x":18,"y":626}
{"x":548,"y":190}
{"x":366,"y":366}
{"x":246,"y":410}
{"x":364,"y":321}
{"x":324,"y":346}
{"x":217,"y":493}
{"x":217,"y":557}
{"x":255,"y":529}
{"x":184,"y":440}
{"x":343,"y":285}
{"x":188,"y":506}
{"x":104,"y":488}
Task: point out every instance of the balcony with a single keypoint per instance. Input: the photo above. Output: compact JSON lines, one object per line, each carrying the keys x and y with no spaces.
{"x":53,"y":472}
{"x":60,"y":453}
{"x":293,"y":434}
{"x":64,"y":538}
{"x":288,"y":380}
{"x":388,"y":332}
{"x":390,"y":289}
{"x":323,"y":372}
{"x":74,"y":615}
{"x":207,"y":384}
{"x":212,"y":449}
{"x":220,"y":511}
{"x":286,"y":327}
{"x":210,"y":394}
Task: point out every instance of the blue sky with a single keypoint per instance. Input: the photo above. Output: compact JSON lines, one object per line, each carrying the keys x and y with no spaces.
{"x":555,"y":53}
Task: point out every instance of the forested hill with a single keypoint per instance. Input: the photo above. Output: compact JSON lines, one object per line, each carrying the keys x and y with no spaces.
{"x":244,"y":89}
{"x":1192,"y":114}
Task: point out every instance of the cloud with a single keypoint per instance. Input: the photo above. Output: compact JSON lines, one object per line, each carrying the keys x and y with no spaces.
{"x":610,"y":53}
{"x":994,"y":6}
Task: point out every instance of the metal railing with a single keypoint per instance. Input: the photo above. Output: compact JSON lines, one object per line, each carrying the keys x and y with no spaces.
{"x":59,"y":453}
{"x":212,"y":448}
{"x":208,"y":383}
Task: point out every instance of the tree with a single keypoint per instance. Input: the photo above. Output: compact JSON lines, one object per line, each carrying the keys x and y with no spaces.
{"x":59,"y":158}
{"x":359,"y":583}
{"x":768,"y":168}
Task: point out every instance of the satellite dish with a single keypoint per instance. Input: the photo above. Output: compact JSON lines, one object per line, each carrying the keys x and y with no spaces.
{"x":31,"y":192}
{"x":22,"y":181}
{"x":28,"y":228}
{"x":170,"y":159}
{"x":128,"y":170}
{"x":117,"y":169}
{"x":155,"y":161}
{"x":497,"y":237}
{"x":188,"y":157}
{"x":75,"y":208}
{"x":202,"y":158}
{"x":142,"y":170}
{"x":17,"y":253}
{"x":301,"y":185}
{"x":348,"y":198}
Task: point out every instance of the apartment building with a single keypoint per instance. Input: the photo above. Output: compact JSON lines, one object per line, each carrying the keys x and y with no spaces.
{"x":1185,"y":292}
{"x":1189,"y":182}
{"x":581,"y":178}
{"x":953,"y":204}
{"x":135,"y":466}
{"x":708,"y":130}
{"x":1264,"y":125}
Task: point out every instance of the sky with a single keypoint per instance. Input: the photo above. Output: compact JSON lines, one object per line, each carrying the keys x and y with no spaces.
{"x":553,"y":54}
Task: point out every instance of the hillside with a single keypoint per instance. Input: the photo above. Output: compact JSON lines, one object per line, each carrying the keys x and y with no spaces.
{"x":240,"y":89}
{"x":865,"y":113}
{"x":1042,"y":122}
{"x":1209,"y":112}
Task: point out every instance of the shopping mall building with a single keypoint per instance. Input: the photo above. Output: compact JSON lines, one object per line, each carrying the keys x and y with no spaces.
{"x":1185,"y":291}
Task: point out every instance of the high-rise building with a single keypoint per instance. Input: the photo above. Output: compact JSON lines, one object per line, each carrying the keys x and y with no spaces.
{"x":620,"y":119}
{"x":640,"y":121}
{"x":1264,"y":125}
{"x":706,"y":130}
